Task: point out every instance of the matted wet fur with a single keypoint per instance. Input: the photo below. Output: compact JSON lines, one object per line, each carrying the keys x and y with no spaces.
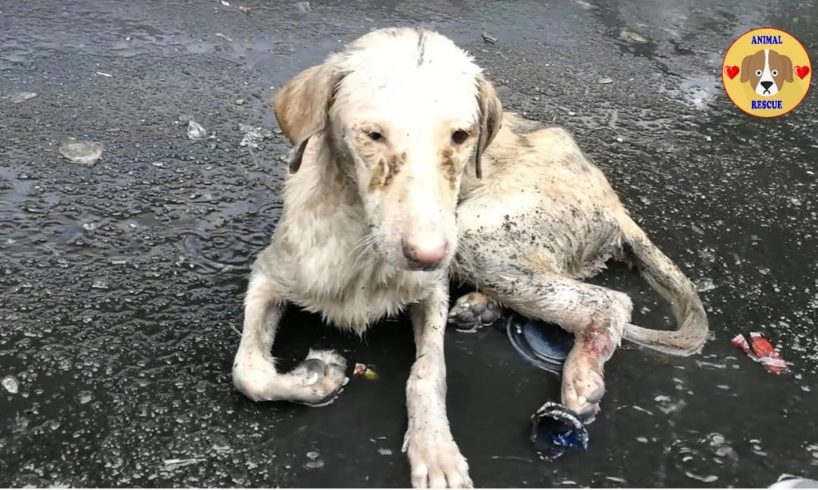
{"x":405,"y":170}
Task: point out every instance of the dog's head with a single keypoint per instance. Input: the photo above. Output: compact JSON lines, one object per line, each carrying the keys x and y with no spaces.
{"x":404,"y":112}
{"x":766,"y":71}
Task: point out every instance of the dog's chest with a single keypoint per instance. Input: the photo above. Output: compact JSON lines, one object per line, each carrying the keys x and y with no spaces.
{"x":355,"y":294}
{"x":349,"y":285}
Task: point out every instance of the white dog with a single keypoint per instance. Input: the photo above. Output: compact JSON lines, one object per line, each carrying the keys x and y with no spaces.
{"x":374,"y":214}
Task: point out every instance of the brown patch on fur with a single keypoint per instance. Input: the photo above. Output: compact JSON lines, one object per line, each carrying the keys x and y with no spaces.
{"x":377,"y":175}
{"x":395,"y":163}
{"x":539,"y":260}
{"x":449,"y":166}
{"x":385,"y":171}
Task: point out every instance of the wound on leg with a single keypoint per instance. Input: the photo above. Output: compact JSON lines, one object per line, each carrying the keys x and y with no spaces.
{"x":596,"y":341}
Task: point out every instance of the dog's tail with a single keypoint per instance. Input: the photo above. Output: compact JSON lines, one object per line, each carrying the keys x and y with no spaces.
{"x":667,"y":280}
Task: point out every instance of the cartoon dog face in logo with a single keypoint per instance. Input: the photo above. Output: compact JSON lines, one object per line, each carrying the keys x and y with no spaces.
{"x":766,"y":71}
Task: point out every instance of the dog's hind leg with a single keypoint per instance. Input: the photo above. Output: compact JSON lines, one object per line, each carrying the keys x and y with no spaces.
{"x":316,"y":381}
{"x":435,"y":459}
{"x":596,"y":316}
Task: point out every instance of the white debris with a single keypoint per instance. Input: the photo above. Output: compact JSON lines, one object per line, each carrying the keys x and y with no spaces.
{"x":643,"y":410}
{"x":11,"y":384}
{"x":176,"y":463}
{"x":633,"y":37}
{"x":18,"y":97}
{"x":791,"y":481}
{"x":253,"y":135}
{"x":83,"y":152}
{"x":222,"y":449}
{"x":704,"y":285}
{"x":489,"y":38}
{"x":195,"y":131}
{"x":314,"y":462}
{"x":701,"y":478}
{"x":666,"y":404}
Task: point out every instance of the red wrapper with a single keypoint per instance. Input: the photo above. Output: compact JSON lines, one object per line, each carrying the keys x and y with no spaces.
{"x":760,"y":350}
{"x":360,"y":369}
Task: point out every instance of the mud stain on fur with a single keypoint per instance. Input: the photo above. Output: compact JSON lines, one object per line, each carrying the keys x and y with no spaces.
{"x":385,"y":171}
{"x":449,"y":166}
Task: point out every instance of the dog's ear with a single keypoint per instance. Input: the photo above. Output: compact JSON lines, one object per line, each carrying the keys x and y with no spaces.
{"x":787,"y":68}
{"x":302,"y":104}
{"x":298,"y":155}
{"x":745,"y":68}
{"x":491,"y":119}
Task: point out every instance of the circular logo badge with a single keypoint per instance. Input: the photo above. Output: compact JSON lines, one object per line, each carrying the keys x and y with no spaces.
{"x":766,"y":72}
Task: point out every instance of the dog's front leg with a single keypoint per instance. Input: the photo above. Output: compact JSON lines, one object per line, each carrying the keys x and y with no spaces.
{"x":433,"y":455}
{"x":316,"y":381}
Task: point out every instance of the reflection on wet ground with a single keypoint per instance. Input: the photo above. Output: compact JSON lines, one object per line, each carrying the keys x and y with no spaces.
{"x":121,"y":281}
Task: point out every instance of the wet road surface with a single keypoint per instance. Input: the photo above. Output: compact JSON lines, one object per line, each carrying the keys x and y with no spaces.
{"x":121,"y":283}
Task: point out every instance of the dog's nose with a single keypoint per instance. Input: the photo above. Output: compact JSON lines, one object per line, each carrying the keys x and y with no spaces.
{"x":766,"y":85}
{"x":424,"y":252}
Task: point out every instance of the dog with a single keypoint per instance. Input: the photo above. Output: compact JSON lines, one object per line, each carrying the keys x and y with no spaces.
{"x":766,"y":71}
{"x":405,"y":173}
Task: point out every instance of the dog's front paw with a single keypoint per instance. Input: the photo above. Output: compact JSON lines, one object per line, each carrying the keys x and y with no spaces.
{"x":317,"y":381}
{"x":435,"y":460}
{"x":474,"y":310}
{"x":320,"y":378}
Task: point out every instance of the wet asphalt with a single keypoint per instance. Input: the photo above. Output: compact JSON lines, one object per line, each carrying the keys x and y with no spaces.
{"x":121,"y":283}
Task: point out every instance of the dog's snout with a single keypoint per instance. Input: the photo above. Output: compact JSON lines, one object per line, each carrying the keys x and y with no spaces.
{"x":766,"y":85}
{"x":425,"y":252}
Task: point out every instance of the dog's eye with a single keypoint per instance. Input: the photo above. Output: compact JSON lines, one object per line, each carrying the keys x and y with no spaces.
{"x":758,"y":73}
{"x":459,"y":137}
{"x":374,"y":135}
{"x":775,"y":73}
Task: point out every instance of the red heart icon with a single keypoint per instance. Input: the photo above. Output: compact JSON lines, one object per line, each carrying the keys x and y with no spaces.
{"x":801,"y":71}
{"x":732,"y":71}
